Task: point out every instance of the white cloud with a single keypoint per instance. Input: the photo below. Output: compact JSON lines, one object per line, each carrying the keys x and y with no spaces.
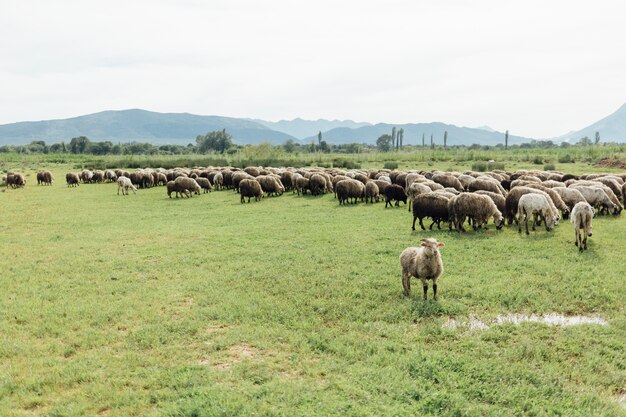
{"x":536,"y":68}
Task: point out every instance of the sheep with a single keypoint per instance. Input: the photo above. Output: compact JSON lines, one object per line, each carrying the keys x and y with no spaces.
{"x":302,"y":184}
{"x":250,"y":187}
{"x":98,"y":176}
{"x":487,"y":185}
{"x":582,"y":213}
{"x":371,"y":192}
{"x":570,"y":196}
{"x":423,"y":262}
{"x":497,"y":198}
{"x":188,"y":186}
{"x":478,"y":208}
{"x":433,"y":205}
{"x":624,"y":194}
{"x":72,"y":179}
{"x":86,"y":176}
{"x":448,"y":180}
{"x":271,"y":184}
{"x":554,"y":196}
{"x":414,"y":189}
{"x":512,"y":201}
{"x":597,"y":197}
{"x":124,"y":183}
{"x":15,"y":180}
{"x":218,"y":181}
{"x":171,"y":187}
{"x":205,"y":184}
{"x":535,"y":205}
{"x":394,"y":192}
{"x":349,"y":189}
{"x":45,"y":178}
{"x":317,"y":184}
{"x":237,"y":177}
{"x":253,"y":171}
{"x":382,"y":186}
{"x":110,"y":175}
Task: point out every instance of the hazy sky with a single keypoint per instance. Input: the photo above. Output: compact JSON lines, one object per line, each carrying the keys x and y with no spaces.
{"x":537,"y":68}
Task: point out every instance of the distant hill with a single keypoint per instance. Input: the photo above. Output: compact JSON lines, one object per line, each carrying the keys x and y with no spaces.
{"x":413,"y":134}
{"x":301,"y":128}
{"x":612,"y":129}
{"x":139,"y":125}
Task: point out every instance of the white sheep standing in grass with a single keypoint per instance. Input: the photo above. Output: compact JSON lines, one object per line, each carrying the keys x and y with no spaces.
{"x":124,"y":184}
{"x":581,"y":219}
{"x":536,"y":205}
{"x":423,"y":262}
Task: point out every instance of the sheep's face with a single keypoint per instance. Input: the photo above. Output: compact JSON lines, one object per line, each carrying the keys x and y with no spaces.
{"x":499,"y":222}
{"x":565,"y":214}
{"x":431,"y":245}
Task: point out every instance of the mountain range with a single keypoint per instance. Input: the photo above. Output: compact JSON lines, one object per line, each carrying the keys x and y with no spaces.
{"x":138,"y":125}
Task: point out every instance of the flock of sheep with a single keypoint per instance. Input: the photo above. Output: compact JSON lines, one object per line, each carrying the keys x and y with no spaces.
{"x":450,"y":197}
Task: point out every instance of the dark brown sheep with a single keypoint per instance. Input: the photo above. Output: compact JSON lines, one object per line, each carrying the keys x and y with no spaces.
{"x":205,"y":184}
{"x":394,"y":192}
{"x":44,"y":178}
{"x":349,"y":189}
{"x":249,"y":187}
{"x":72,"y":179}
{"x":431,"y":205}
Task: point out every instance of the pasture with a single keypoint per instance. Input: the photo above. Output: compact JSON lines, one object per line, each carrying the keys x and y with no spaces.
{"x":292,"y":306}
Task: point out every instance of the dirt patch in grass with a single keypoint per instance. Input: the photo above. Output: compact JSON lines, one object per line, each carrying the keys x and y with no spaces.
{"x":612,"y":163}
{"x":235,"y":355}
{"x":552,"y":319}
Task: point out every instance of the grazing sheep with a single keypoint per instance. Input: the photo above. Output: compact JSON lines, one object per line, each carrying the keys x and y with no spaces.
{"x":249,"y":187}
{"x":237,"y":177}
{"x":110,"y":175}
{"x":86,"y":176}
{"x":205,"y":184}
{"x":570,"y":196}
{"x":302,"y":184}
{"x":271,"y":184}
{"x":582,"y":213}
{"x":476,"y":207}
{"x":98,"y":176}
{"x":433,"y":205}
{"x":554,"y":196}
{"x":448,"y":180}
{"x":72,"y":179}
{"x":624,"y":194}
{"x":218,"y":181}
{"x":597,"y":197}
{"x":497,"y":198}
{"x":44,"y":178}
{"x":394,"y":192}
{"x":350,"y":189}
{"x":382,"y":186}
{"x":414,"y":189}
{"x":124,"y":183}
{"x":487,"y":185}
{"x":188,"y":186}
{"x":512,"y":201}
{"x":424,"y":263}
{"x":371,"y":192}
{"x":317,"y":184}
{"x":15,"y":180}
{"x":533,"y":204}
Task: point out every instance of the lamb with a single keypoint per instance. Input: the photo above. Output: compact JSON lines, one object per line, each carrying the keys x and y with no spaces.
{"x":478,"y":208}
{"x":205,"y":184}
{"x":249,"y":187}
{"x":394,"y":192}
{"x":371,"y":192}
{"x":423,"y":262}
{"x":72,"y":179}
{"x":124,"y":184}
{"x":350,"y":189}
{"x":45,"y":178}
{"x":433,"y":205}
{"x":535,"y":205}
{"x":187,"y":185}
{"x":582,"y":213}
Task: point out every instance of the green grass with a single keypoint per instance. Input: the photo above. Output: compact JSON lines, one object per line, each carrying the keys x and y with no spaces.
{"x":293,"y":306}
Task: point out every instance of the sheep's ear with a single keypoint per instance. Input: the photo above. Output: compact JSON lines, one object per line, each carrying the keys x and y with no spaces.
{"x":441,"y":244}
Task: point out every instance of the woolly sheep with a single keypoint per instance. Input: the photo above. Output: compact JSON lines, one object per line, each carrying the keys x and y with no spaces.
{"x":271,"y":185}
{"x":124,"y":184}
{"x":205,"y":184}
{"x":478,"y":208}
{"x":72,"y":179}
{"x":533,"y":204}
{"x":371,"y":192}
{"x":185,"y":184}
{"x":424,"y":263}
{"x":487,"y":185}
{"x":512,"y":202}
{"x":45,"y":178}
{"x":433,"y":205}
{"x":218,"y":181}
{"x":349,"y":189}
{"x":497,"y":198}
{"x":597,"y":197}
{"x":582,"y":213}
{"x":15,"y":180}
{"x":448,"y":180}
{"x":394,"y":192}
{"x":317,"y":184}
{"x":414,"y":189}
{"x":249,"y":187}
{"x":570,"y":196}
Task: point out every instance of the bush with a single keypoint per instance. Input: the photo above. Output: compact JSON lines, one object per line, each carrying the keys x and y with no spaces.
{"x":549,"y":167}
{"x":496,"y":165}
{"x":390,"y":165}
{"x":566,"y":159}
{"x":345,"y":163}
{"x":538,"y":160}
{"x":480,"y":166}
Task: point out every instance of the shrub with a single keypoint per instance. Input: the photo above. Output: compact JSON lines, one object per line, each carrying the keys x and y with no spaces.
{"x":538,"y":160}
{"x":390,"y":165}
{"x":566,"y":159}
{"x":480,"y":166}
{"x":496,"y":165}
{"x":549,"y":167}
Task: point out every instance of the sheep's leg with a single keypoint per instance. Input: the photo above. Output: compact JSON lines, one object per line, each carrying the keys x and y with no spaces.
{"x":410,"y":206}
{"x":422,"y":224}
{"x":431,"y":225}
{"x":406,"y":282}
{"x":585,"y":239}
{"x":576,"y":233}
{"x":425,"y":286}
{"x":414,"y":218}
{"x":435,"y":290}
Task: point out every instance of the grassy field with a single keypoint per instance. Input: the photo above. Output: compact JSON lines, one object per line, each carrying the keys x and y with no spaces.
{"x":293,"y":306}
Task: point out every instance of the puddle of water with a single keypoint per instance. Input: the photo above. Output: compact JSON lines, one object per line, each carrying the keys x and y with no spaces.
{"x":552,"y":319}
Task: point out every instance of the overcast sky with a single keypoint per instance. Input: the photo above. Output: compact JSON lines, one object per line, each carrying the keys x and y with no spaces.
{"x":537,"y":68}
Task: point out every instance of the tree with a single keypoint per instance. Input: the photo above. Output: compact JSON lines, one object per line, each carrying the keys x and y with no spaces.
{"x":423,"y":144}
{"x":584,"y":141}
{"x":597,"y":140}
{"x":432,"y":144}
{"x":324,"y":147}
{"x":506,"y":139}
{"x":290,"y":146}
{"x":79,"y":144}
{"x":393,"y":137}
{"x":217,"y":140}
{"x":319,"y":138}
{"x":400,"y":137}
{"x":445,"y":139}
{"x":383,"y":143}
